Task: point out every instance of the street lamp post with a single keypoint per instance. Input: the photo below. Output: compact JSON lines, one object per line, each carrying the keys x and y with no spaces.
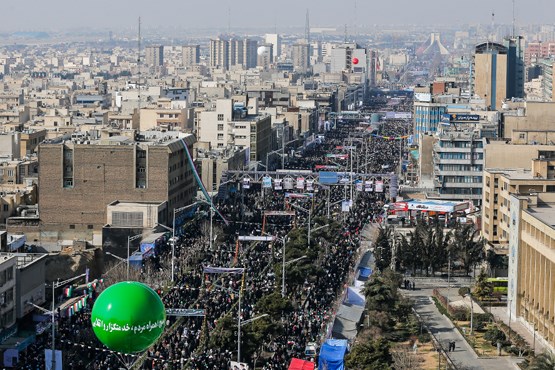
{"x":53,"y":316}
{"x":283,"y":240}
{"x":471,"y":313}
{"x":309,"y":211}
{"x":129,"y":240}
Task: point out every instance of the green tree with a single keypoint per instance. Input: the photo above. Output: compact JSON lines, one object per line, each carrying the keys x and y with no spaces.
{"x":370,"y":355}
{"x":382,"y":249}
{"x":468,"y":247}
{"x":496,"y":261}
{"x":483,"y":289}
{"x":440,"y":248}
{"x":223,"y":336}
{"x":544,"y":361}
{"x":379,"y":296}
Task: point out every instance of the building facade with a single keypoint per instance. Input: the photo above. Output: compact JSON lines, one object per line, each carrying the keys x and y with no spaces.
{"x":154,"y":56}
{"x":498,"y":187}
{"x":458,"y":159}
{"x":300,"y":57}
{"x":88,"y":177}
{"x":191,"y":55}
{"x":531,"y":288}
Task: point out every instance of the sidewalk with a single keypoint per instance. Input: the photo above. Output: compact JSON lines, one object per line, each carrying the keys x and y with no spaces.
{"x":442,"y":328}
{"x":500,"y":313}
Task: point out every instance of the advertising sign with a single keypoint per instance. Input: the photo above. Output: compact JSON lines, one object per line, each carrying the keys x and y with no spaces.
{"x":267,"y":182}
{"x":464,"y":117}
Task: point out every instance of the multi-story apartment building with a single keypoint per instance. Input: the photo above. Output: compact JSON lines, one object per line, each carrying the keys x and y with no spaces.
{"x":538,"y":50}
{"x":88,"y":176}
{"x":226,"y":52}
{"x":499,"y":184}
{"x":458,"y":161}
{"x":191,"y":55}
{"x":233,"y":125}
{"x":547,"y":72}
{"x":275,"y":40}
{"x":7,"y":294}
{"x":154,"y":56}
{"x":300,"y":56}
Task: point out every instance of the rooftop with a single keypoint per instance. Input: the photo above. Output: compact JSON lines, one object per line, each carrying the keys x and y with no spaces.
{"x":545,"y":213}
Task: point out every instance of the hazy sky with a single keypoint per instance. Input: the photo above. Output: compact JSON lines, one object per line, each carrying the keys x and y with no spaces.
{"x":120,"y":14}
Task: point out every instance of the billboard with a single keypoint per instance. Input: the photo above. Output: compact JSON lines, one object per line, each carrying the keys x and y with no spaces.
{"x":464,"y":117}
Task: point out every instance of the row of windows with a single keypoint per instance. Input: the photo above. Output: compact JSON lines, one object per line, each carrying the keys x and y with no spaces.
{"x":463,"y":179}
{"x":461,"y":191}
{"x":461,"y":155}
{"x":460,"y":144}
{"x":460,"y":167}
{"x":9,"y":173}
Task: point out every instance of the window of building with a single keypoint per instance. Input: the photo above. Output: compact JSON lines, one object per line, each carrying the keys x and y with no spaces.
{"x":521,"y":136}
{"x":220,"y":145}
{"x":6,"y":208}
{"x":220,"y":126}
{"x":220,"y":117}
{"x":220,"y":136}
{"x":90,"y":227}
{"x":10,"y":173}
{"x":72,"y":227}
{"x":68,"y":183}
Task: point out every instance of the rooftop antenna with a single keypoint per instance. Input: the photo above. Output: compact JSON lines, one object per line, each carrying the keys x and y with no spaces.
{"x":345,"y":33}
{"x":139,"y":68}
{"x":493,"y":26}
{"x":229,"y":20}
{"x":514,"y":18}
{"x":307,"y":28}
{"x":355,"y":24}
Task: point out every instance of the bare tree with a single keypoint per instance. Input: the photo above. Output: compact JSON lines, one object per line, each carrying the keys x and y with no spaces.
{"x":405,"y":359}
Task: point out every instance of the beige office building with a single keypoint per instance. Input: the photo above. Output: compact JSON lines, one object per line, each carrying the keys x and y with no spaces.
{"x":490,"y":74}
{"x":499,"y":185}
{"x":531,"y":289}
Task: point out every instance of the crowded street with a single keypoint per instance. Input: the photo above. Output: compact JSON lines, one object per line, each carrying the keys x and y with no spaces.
{"x":328,"y":261}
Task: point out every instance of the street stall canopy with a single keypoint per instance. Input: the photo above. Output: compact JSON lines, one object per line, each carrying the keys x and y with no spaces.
{"x":433,"y":205}
{"x":332,"y":354}
{"x":298,"y":364}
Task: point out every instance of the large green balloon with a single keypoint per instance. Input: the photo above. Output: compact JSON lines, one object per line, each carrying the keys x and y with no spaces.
{"x":128,"y":317}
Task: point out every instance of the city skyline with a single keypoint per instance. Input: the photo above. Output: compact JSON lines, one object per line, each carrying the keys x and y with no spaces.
{"x":39,"y":15}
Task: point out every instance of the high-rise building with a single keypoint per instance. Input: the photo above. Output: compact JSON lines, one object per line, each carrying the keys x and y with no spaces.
{"x":249,"y":53}
{"x":300,"y":57}
{"x":228,"y":52}
{"x":499,"y":71}
{"x":265,"y":56}
{"x":219,"y":53}
{"x":191,"y":55}
{"x":275,"y":40}
{"x":154,"y":56}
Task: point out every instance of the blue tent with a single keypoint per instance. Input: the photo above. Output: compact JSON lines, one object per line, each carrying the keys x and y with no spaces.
{"x":332,"y":354}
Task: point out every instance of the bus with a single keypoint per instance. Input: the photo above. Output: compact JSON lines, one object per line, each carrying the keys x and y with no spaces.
{"x":500,"y":284}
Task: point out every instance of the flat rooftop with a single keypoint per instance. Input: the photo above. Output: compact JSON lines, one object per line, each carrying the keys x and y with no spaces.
{"x":545,"y":213}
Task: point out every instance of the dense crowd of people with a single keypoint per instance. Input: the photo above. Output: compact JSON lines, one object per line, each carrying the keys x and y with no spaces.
{"x":185,"y":343}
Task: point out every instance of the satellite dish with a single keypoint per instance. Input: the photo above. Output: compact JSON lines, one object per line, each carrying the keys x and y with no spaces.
{"x":262,"y":50}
